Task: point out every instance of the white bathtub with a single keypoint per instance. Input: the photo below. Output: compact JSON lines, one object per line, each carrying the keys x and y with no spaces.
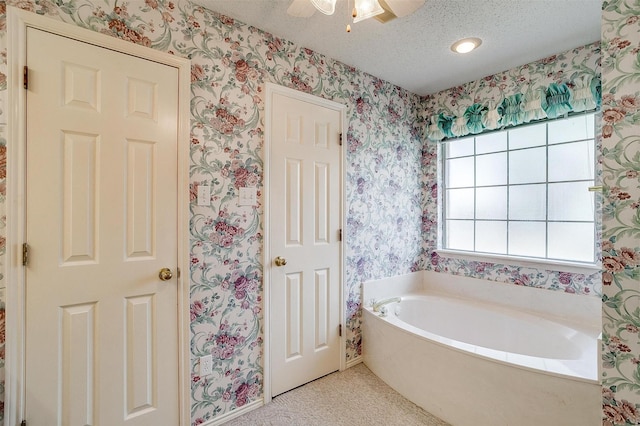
{"x":475,"y":363}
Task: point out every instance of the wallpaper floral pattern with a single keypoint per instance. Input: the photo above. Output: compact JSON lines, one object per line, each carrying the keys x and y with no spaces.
{"x":231,"y":62}
{"x":391,"y":180}
{"x":621,"y":224}
{"x":572,"y":66}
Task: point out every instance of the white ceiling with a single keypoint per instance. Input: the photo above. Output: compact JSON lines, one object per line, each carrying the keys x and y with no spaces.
{"x":414,"y":52}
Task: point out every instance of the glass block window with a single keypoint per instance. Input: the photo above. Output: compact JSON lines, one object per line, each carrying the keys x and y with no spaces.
{"x":522,"y":192}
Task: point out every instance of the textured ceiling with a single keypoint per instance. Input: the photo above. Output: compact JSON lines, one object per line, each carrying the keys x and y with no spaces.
{"x":414,"y":52}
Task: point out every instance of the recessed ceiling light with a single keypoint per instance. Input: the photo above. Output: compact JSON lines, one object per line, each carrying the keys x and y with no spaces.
{"x":466,"y":45}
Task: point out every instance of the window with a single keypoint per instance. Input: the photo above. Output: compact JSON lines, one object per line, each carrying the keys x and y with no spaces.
{"x":522,"y":192}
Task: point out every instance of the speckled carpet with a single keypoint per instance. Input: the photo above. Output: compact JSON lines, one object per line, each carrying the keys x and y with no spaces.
{"x":352,"y":397}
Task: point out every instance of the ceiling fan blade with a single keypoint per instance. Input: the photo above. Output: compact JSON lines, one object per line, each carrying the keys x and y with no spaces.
{"x":402,"y":8}
{"x":301,"y":8}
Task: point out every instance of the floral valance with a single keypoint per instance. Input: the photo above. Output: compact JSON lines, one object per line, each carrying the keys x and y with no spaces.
{"x":583,"y":94}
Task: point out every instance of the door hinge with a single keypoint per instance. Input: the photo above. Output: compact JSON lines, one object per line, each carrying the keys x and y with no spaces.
{"x":340,"y":330}
{"x":25,"y":77}
{"x":23,"y":423}
{"x":25,"y":254}
{"x":340,"y":139}
{"x":340,"y":235}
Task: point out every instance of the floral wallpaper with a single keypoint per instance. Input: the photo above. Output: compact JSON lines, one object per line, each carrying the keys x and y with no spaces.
{"x":621,"y":224}
{"x":231,"y":62}
{"x":577,"y":65}
{"x":391,"y":180}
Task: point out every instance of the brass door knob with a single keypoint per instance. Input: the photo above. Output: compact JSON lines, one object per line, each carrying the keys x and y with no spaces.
{"x":280,"y":261}
{"x":165,"y":274}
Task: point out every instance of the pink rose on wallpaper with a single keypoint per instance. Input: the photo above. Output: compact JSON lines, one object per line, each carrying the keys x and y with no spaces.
{"x":275,"y":44}
{"x":392,"y":115}
{"x":225,"y":122}
{"x":21,"y":4}
{"x":613,"y":115}
{"x":2,"y":328}
{"x":612,"y":264}
{"x":241,"y":286}
{"x":197,"y":308}
{"x":193,"y":192}
{"x":427,"y":224}
{"x":241,"y":394}
{"x":242,"y":68}
{"x":300,"y":85}
{"x":244,"y":178}
{"x":630,"y":412}
{"x":362,"y":106}
{"x":629,"y":103}
{"x":629,"y":256}
{"x":245,"y":392}
{"x":225,"y":234}
{"x":522,"y":280}
{"x":197,"y":73}
{"x":564,"y":278}
{"x":613,"y":415}
{"x":3,"y":162}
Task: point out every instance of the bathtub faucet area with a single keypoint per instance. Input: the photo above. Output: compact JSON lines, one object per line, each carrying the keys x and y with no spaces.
{"x":377,"y":306}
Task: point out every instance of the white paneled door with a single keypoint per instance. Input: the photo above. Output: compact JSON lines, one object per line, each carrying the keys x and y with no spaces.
{"x":305,"y":220}
{"x":101,"y":324}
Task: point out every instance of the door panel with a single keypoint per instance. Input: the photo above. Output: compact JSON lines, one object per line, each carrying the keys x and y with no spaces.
{"x":101,"y":327}
{"x":305,"y":222}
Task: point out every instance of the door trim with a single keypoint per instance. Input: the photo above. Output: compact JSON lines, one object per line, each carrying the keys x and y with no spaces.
{"x":272,"y":89}
{"x":17,"y":23}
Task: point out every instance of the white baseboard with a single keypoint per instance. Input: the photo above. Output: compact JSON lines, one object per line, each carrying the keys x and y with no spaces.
{"x":354,"y":361}
{"x":235,"y":413}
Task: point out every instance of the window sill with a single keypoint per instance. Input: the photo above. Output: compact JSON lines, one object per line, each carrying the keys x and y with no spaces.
{"x":528,"y":262}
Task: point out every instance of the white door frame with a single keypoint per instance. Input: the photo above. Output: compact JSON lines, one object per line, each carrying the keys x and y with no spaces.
{"x":17,"y":23}
{"x":272,"y":89}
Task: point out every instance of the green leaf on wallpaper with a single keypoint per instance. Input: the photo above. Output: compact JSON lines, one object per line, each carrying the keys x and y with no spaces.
{"x":615,"y":152}
{"x":613,"y":302}
{"x":636,"y":375}
{"x":608,"y":360}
